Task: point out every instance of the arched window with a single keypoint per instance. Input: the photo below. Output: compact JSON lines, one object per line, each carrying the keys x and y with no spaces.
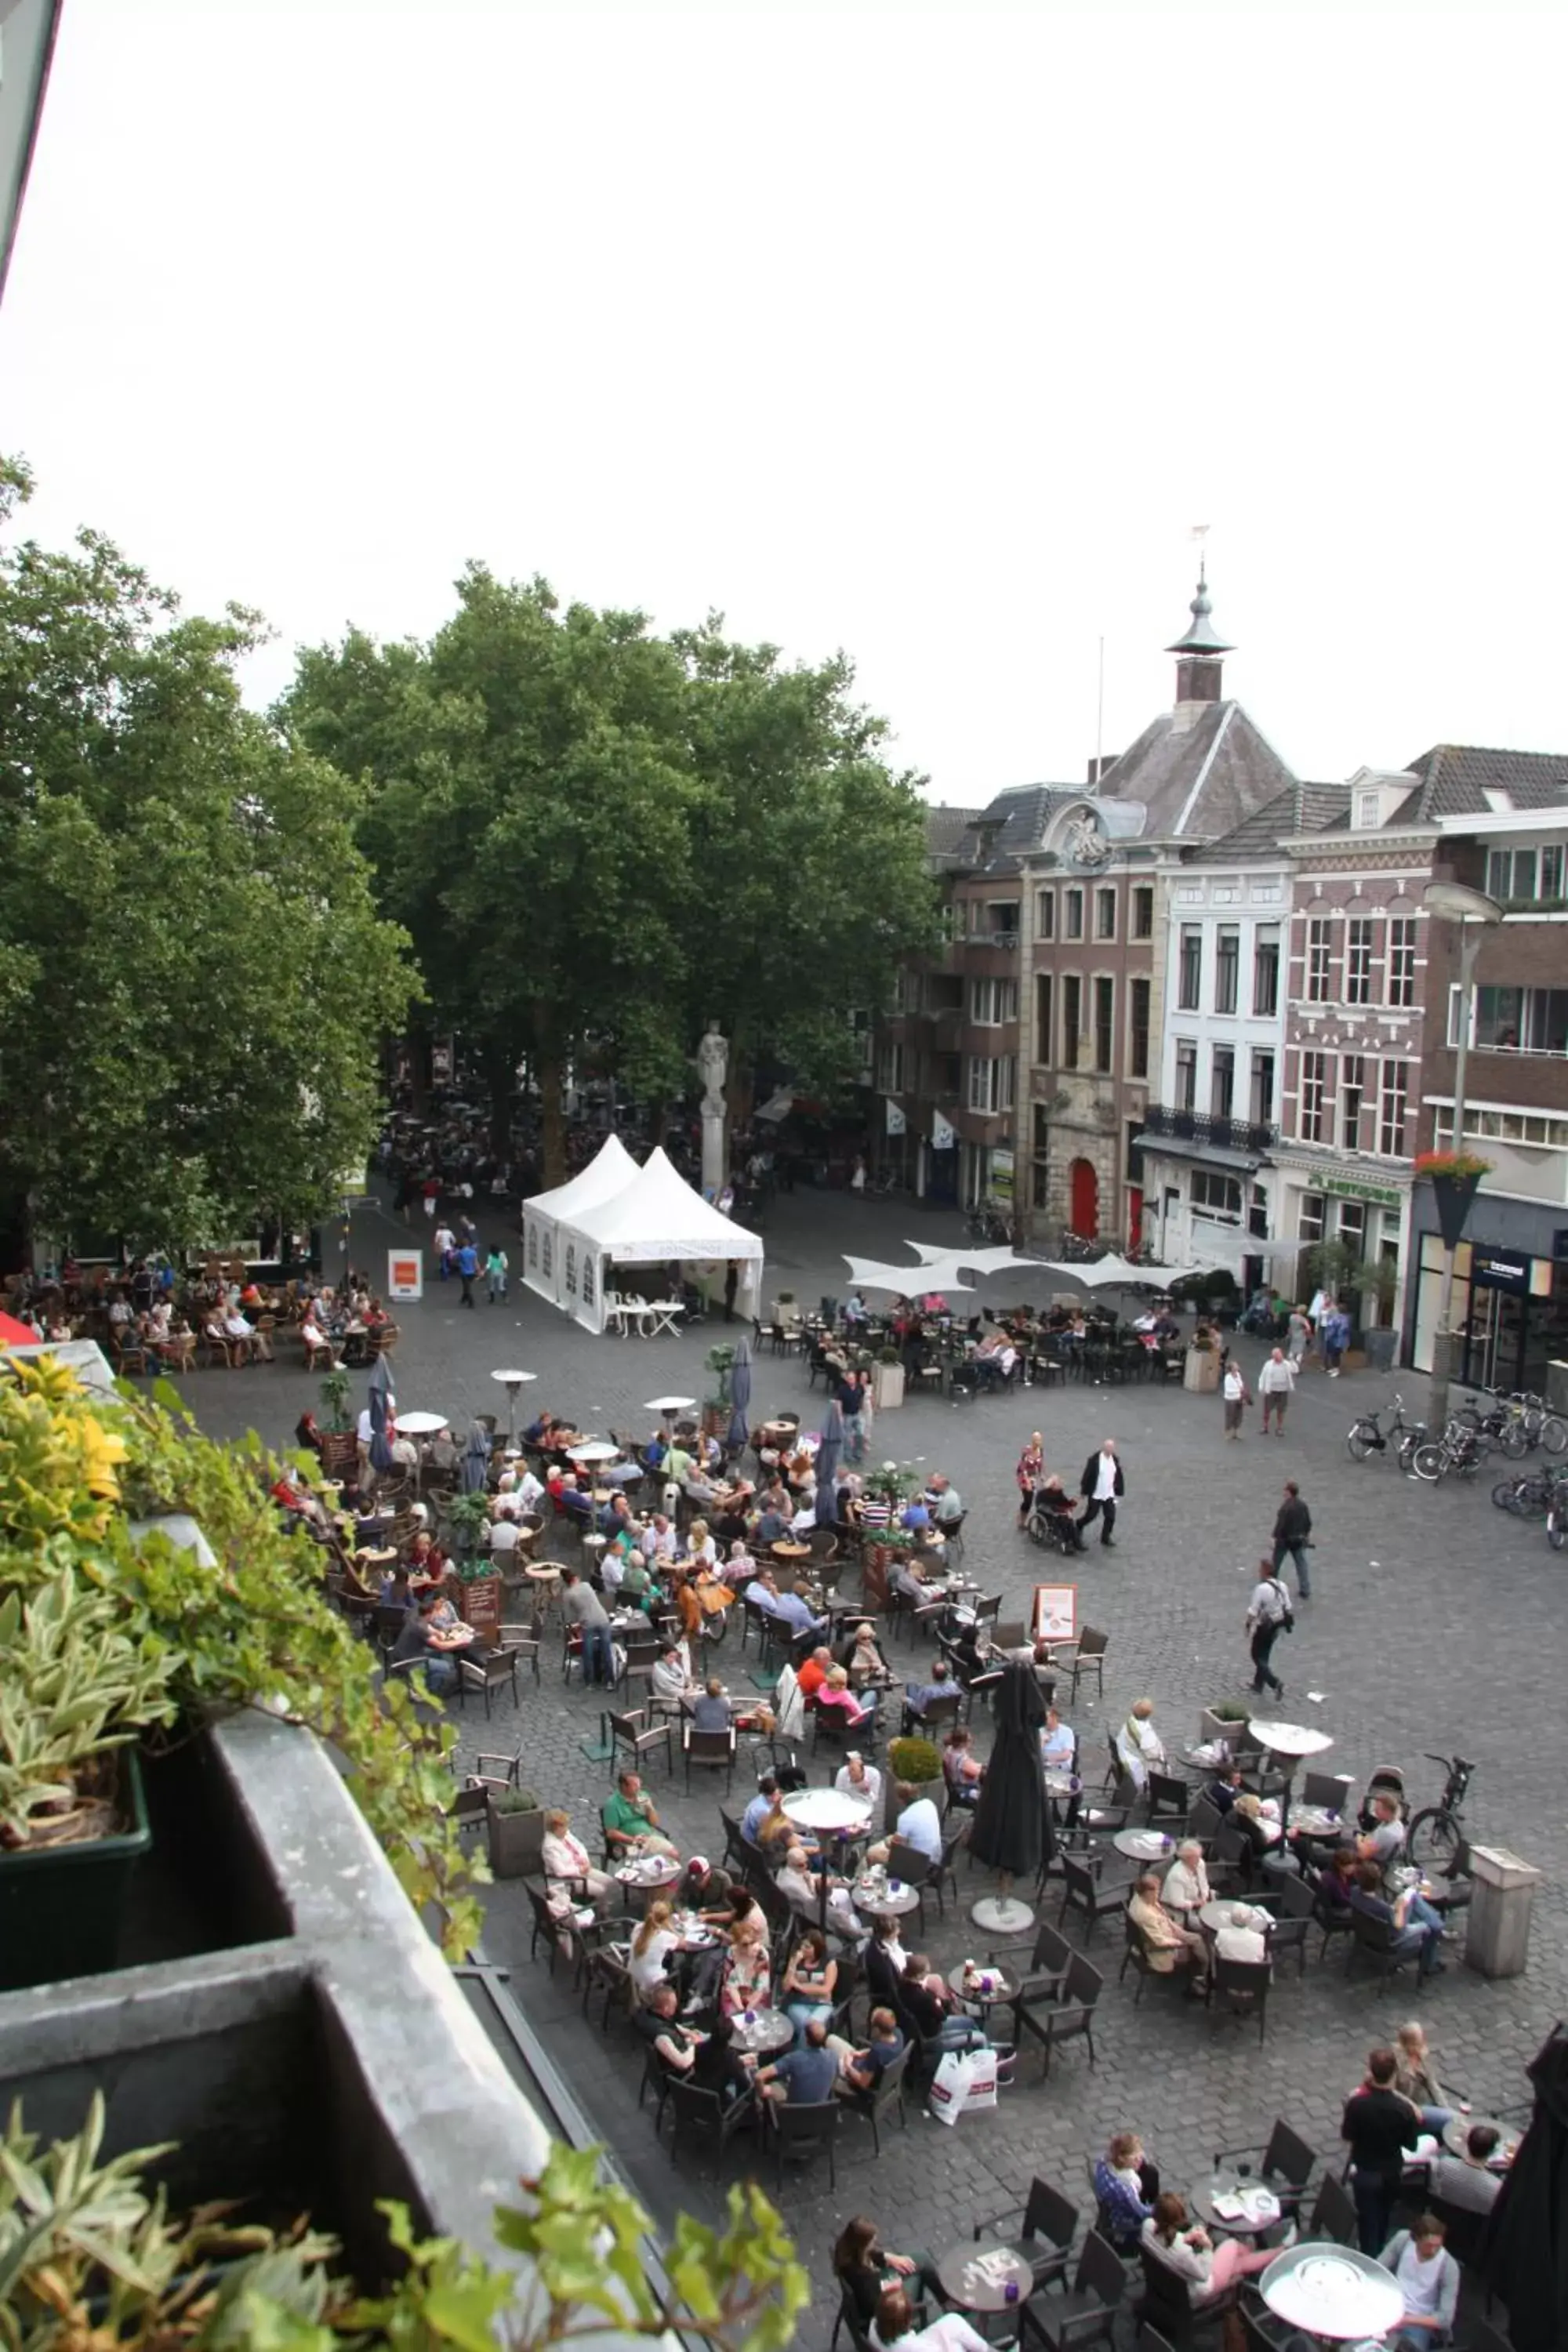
{"x":572,"y":1269}
{"x":534,"y":1247}
{"x":588,"y":1279}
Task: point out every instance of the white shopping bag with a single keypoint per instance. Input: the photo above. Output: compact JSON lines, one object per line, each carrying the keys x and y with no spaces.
{"x":949,"y":2085}
{"x":981,"y":2090}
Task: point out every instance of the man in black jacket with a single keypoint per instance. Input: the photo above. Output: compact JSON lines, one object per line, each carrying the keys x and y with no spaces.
{"x":1292,"y":1526}
{"x":1102,"y":1488}
{"x":1380,"y":2126}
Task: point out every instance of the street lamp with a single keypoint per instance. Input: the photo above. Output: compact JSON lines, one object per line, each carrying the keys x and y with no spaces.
{"x":1475,"y":913}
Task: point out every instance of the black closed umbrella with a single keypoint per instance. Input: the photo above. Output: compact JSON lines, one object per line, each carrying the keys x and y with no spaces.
{"x":1011,"y":1827}
{"x":1524,"y":2253}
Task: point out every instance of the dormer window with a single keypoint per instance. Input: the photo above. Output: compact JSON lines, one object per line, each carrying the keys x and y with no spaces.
{"x":1368,"y":810}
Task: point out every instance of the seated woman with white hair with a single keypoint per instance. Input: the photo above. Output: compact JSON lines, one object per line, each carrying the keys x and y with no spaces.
{"x":1186,"y":1887}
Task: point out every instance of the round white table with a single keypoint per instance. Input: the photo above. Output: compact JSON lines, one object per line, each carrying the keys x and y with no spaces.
{"x":593,"y":1450}
{"x":1332,"y":2293}
{"x":420,"y":1424}
{"x":668,"y":1406}
{"x":1291,"y":1742}
{"x":833,"y":1819}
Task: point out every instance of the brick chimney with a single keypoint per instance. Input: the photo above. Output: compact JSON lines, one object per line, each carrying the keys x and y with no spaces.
{"x":1200,"y":653}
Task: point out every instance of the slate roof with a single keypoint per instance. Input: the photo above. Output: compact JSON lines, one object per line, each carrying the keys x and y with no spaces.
{"x":945,"y":831}
{"x":1301,"y":808}
{"x":1199,"y":781}
{"x":1455,"y":778}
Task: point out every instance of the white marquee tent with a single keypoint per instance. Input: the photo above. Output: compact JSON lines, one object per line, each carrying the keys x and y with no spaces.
{"x":655,"y":1219}
{"x":610,"y":1170}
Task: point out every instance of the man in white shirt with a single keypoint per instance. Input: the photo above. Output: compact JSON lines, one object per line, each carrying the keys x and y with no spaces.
{"x":1234,"y":1400}
{"x":918,"y":1823}
{"x":1186,"y":1887}
{"x":1239,"y":1939}
{"x":658,"y":1541}
{"x":1138,"y":1743}
{"x":503,"y":1538}
{"x":443,"y":1241}
{"x":859,"y":1779}
{"x":1102,"y":1485}
{"x":1277,"y":1386}
{"x":530,"y":1493}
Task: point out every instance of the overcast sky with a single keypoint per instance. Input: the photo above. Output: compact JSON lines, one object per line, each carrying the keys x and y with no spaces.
{"x":924,"y":334}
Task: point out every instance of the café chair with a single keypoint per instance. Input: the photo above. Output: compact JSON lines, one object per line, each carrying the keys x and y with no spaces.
{"x":1068,"y":2019}
{"x":1083,"y":1891}
{"x":1165,"y":2301}
{"x":631,"y":1736}
{"x":802,"y":2129}
{"x":1048,"y":2225}
{"x":1242,"y":1982}
{"x":714,"y":1750}
{"x":885,"y":2094}
{"x":1086,"y":2313}
{"x":1285,"y":2166}
{"x":705,"y":2114}
{"x":1333,"y":2213}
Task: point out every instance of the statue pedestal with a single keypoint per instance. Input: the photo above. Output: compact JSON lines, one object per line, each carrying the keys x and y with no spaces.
{"x":714,"y":1170}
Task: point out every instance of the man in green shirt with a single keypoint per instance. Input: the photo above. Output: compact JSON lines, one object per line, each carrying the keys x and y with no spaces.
{"x":631,"y":1824}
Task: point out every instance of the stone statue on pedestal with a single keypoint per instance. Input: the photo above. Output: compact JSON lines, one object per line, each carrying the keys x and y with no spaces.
{"x":714,"y":1061}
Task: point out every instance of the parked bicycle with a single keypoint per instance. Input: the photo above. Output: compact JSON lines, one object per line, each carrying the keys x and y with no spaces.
{"x":987,"y":1224}
{"x":1459,"y":1449}
{"x":1519,"y":1423}
{"x":1437,"y":1833}
{"x":1369,"y":1436}
{"x":1532,"y":1495}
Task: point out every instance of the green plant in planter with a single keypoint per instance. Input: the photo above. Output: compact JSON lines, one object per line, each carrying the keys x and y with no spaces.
{"x":1228,"y":1710}
{"x":720,"y":1361}
{"x":514,"y":1801}
{"x":915,"y":1761}
{"x":334,"y":1394}
{"x":74,"y":1688}
{"x":469,"y":1515}
{"x":89,"y":2259}
{"x":889,"y":1356}
{"x":246,"y":1626}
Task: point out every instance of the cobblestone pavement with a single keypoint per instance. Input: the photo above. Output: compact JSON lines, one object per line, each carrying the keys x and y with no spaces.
{"x":1435,"y":1622}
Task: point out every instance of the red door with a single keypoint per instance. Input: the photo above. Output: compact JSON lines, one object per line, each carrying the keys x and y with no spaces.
{"x":1085,"y":1200}
{"x":1134,"y":1217}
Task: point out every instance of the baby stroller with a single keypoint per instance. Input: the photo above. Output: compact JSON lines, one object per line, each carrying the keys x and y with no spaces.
{"x":1386,"y":1781}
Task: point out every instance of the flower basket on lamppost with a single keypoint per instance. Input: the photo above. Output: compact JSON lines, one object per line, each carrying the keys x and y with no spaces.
{"x":1456,"y":1179}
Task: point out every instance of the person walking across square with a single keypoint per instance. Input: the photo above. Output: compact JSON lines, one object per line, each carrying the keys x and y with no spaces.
{"x":1292,"y":1534}
{"x":1103,"y":1486}
{"x":1277,"y":1386}
{"x":1269,"y":1613}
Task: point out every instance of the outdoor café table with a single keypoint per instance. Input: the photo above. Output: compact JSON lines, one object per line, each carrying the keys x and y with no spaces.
{"x":790,"y":1550}
{"x":641,"y":1880}
{"x":1291,"y":1742}
{"x":1316,"y":1821}
{"x":1212,"y":1916}
{"x":662,"y":1314}
{"x":420,"y":1424}
{"x":975,"y":1996}
{"x":1144,"y":1845}
{"x":1255,"y":2207}
{"x":976,"y":2278}
{"x":544,"y":1575}
{"x":593,"y":1451}
{"x":1335,"y":2294}
{"x":836,"y":1821}
{"x":760,"y":2031}
{"x":887,"y":1903}
{"x":1206,"y":1758}
{"x":1508,"y":2137}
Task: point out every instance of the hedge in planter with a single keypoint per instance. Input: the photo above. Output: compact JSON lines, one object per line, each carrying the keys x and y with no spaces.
{"x":249,"y":1628}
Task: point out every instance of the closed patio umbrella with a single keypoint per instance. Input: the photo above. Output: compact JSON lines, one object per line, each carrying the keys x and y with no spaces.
{"x":380,"y":1448}
{"x":381,"y":1377}
{"x":1524,"y":2252}
{"x":740,"y":1396}
{"x":477,"y":1459}
{"x":1010,"y":1826}
{"x":829,"y":1447}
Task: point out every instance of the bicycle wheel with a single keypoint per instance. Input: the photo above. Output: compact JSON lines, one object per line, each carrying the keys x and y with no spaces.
{"x":1505,"y":1493}
{"x":1514,"y":1439}
{"x":1429,"y":1462}
{"x":1557,"y":1526}
{"x":1554,"y":1434}
{"x":1468,"y":1416}
{"x":1434,"y":1839}
{"x":1362,"y":1441}
{"x":1409,"y":1445}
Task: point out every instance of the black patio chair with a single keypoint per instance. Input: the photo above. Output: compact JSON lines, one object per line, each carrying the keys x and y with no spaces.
{"x":705,"y":2113}
{"x":801,"y":2130}
{"x":632,"y":1737}
{"x":885,"y":2097}
{"x":1285,"y":2162}
{"x":1045,"y":2224}
{"x":1333,"y":2213}
{"x":713,"y":1751}
{"x":1086,"y":2313}
{"x":1083,"y":1890}
{"x":493,"y":1670}
{"x":1068,"y":2019}
{"x":1246,"y":1982}
{"x":1167,"y":1798}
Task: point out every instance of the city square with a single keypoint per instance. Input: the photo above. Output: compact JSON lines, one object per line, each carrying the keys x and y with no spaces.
{"x":1433,"y":1625}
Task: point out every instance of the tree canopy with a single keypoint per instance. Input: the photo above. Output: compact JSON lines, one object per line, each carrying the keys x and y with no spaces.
{"x":193,"y":973}
{"x":600,"y":838}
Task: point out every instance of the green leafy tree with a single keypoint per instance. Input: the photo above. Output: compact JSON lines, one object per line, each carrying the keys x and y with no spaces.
{"x":192,"y":972}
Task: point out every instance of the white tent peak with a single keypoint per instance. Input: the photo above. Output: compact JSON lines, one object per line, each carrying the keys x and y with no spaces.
{"x":659,"y":1215}
{"x":609,"y":1171}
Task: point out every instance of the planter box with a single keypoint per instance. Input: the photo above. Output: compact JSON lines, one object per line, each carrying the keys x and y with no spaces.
{"x":63,"y":1907}
{"x":515,"y":1841}
{"x":340,"y":1452}
{"x":1201,"y":1371}
{"x":1380,"y":1345}
{"x":887,"y":1386}
{"x":478,"y":1603}
{"x":1216,"y":1727}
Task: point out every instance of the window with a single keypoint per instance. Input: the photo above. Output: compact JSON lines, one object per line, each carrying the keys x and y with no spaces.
{"x":1358,"y":962}
{"x":1001,"y":920}
{"x":1310,"y":1224}
{"x":1190,"y":976}
{"x":1105,"y":1024}
{"x":992,"y":1001}
{"x":890,"y":1067}
{"x":1227,"y":967}
{"x":1186,"y":1073}
{"x":588,"y":1279}
{"x":1514,"y":1020}
{"x":572,"y":1269}
{"x":1105,"y":914}
{"x":1073,"y":914}
{"x":1042,"y":1131}
{"x":1402,"y":959}
{"x":1320,"y":960}
{"x":990,"y":1084}
{"x":1221,"y":1195}
{"x":1266,"y":971}
{"x":1260,"y":1100}
{"x":534,"y":1247}
{"x":1525,"y":873}
{"x":1314,"y":1074}
{"x":1138,"y":1045}
{"x":1366,"y":810}
{"x":1044,"y":1041}
{"x":1352,"y":1085}
{"x":547,"y":1250}
{"x":1391,"y":1109}
{"x":1046,"y":915}
{"x":1222,"y":1082}
{"x":1143,"y":912}
{"x":1072,"y":1020}
{"x":1352,"y":1225}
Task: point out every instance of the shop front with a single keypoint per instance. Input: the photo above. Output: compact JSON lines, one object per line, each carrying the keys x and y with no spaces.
{"x":1511,"y":1303}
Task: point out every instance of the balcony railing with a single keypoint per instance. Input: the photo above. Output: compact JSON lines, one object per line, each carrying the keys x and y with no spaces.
{"x":1199,"y":1127}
